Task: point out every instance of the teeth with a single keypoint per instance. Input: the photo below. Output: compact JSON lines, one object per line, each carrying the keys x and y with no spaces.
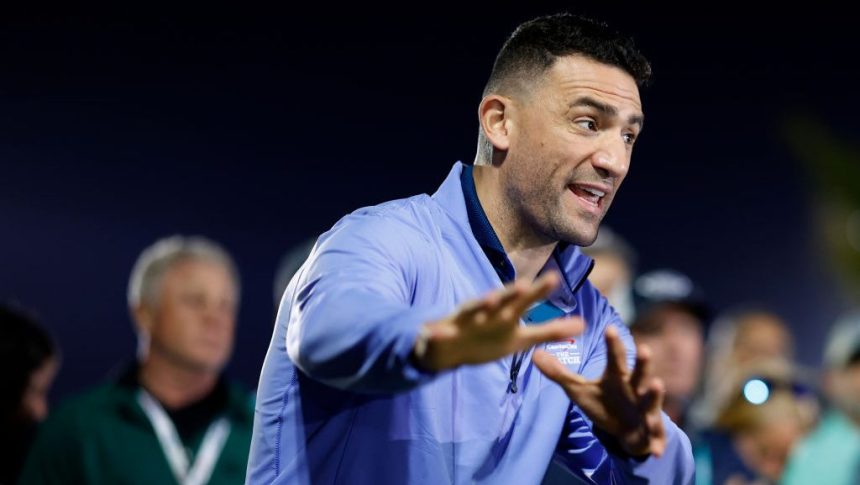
{"x":594,"y":192}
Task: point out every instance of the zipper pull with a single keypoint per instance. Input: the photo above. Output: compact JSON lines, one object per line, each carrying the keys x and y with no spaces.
{"x":515,"y":371}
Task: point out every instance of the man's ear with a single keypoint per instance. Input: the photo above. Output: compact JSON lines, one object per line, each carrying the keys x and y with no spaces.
{"x":494,"y":114}
{"x":143,"y":317}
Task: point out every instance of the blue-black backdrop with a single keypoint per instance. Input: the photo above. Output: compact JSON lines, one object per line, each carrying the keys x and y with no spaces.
{"x":260,"y":127}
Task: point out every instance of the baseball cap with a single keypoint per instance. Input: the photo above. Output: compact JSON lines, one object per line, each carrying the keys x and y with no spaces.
{"x":669,"y":287}
{"x":843,"y":342}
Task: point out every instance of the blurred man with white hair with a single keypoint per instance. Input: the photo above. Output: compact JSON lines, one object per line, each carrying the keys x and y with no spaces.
{"x":171,"y":417}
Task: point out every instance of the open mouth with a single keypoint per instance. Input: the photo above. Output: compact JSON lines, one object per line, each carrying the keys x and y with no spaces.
{"x":590,"y":195}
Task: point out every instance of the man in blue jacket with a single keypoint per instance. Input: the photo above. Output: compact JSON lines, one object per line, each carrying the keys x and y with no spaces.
{"x":454,"y":338}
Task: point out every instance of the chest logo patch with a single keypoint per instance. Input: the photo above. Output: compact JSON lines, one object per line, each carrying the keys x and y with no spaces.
{"x":567,"y":351}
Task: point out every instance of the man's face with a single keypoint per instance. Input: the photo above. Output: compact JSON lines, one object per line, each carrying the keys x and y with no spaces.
{"x":843,"y":388}
{"x":766,"y":449}
{"x":761,"y":336}
{"x":194,"y":321}
{"x":677,"y":349}
{"x":609,"y":273}
{"x":570,"y":146}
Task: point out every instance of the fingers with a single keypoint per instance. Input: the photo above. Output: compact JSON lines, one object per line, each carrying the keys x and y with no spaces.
{"x":507,"y":309}
{"x":512,"y":291}
{"x":470,"y":310}
{"x":479,"y":310}
{"x":651,"y":404}
{"x":558,"y":329}
{"x":616,"y":355}
{"x":508,"y":304}
{"x":556,"y":371}
{"x":651,"y":401}
{"x":539,"y":290}
{"x":520,"y":295}
{"x":656,"y":439}
{"x":649,"y":392}
{"x":643,"y":370}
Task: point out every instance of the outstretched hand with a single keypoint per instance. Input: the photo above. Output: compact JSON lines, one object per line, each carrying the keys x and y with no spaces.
{"x":626,"y":405}
{"x":489,"y":328}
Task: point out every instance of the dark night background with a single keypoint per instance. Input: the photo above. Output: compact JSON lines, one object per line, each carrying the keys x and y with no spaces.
{"x":261,"y":127}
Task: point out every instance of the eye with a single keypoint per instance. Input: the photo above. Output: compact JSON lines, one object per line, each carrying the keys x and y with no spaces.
{"x":629,"y":138}
{"x":195,"y":300}
{"x":587,"y":123}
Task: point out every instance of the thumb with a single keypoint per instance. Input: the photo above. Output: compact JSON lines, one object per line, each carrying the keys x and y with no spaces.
{"x":555,"y":370}
{"x":558,"y":329}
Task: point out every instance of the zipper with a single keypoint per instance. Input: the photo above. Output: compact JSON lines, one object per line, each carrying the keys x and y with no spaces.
{"x":519,"y":357}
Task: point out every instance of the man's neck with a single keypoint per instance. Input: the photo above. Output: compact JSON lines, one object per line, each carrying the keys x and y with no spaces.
{"x":526,"y":250}
{"x":173,"y":385}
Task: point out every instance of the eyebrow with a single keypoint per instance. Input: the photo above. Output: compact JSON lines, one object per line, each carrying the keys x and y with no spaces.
{"x":605,"y":109}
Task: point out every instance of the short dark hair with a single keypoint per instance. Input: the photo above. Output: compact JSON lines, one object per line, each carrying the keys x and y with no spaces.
{"x":536,"y":44}
{"x":24,"y":347}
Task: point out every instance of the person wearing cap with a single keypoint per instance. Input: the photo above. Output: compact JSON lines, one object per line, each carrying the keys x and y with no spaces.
{"x":831,"y":453}
{"x":671,"y":319}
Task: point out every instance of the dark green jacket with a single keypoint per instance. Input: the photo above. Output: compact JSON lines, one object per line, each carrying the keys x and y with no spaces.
{"x":104,"y":437}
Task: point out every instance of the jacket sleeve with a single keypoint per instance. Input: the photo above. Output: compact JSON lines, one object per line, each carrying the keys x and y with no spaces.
{"x":593,"y":455}
{"x":351,"y":323}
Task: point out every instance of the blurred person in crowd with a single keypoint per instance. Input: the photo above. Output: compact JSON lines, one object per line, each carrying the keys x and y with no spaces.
{"x":614,"y":267}
{"x":752,"y":334}
{"x":831,"y":453}
{"x":171,"y":417}
{"x":29,"y":360}
{"x":737,"y":339}
{"x":290,"y":262}
{"x":770,"y":410}
{"x":672,"y":319}
{"x":440,"y":339}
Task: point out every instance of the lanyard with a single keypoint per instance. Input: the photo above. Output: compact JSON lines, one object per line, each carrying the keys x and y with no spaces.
{"x":197,"y":473}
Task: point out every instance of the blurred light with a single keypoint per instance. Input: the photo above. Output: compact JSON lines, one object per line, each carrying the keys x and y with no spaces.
{"x":756,"y":391}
